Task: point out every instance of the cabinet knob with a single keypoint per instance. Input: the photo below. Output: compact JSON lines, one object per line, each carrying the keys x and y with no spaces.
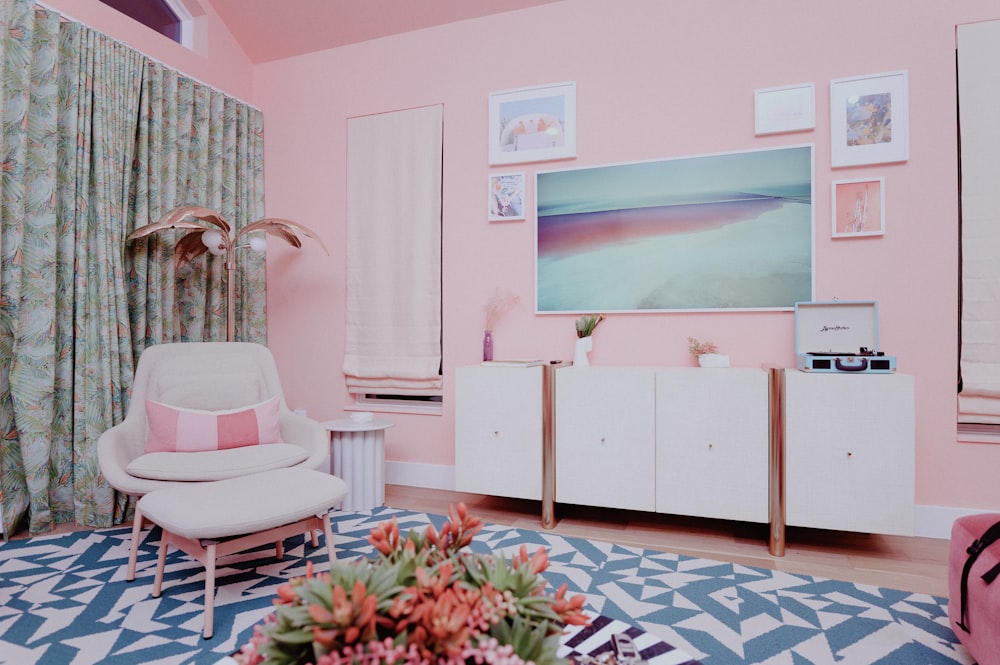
{"x":604,"y":440}
{"x":496,"y":432}
{"x":711,"y":445}
{"x":850,"y":454}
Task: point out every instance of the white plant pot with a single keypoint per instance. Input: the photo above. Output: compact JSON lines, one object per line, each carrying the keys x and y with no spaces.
{"x":583,"y":346}
{"x":713,"y":360}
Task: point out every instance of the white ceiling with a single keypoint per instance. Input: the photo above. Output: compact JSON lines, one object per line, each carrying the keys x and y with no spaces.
{"x":274,"y":29}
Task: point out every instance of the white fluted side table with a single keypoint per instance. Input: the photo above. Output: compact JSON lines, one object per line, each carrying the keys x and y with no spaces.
{"x":357,"y":454}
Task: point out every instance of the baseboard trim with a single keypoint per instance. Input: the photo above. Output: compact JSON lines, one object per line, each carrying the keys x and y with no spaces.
{"x":936,"y":521}
{"x":413,"y":474}
{"x":929,"y":521}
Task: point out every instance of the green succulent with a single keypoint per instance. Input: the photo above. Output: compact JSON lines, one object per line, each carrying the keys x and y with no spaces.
{"x":586,"y":324}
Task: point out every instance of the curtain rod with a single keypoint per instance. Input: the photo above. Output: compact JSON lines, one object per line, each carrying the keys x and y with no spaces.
{"x":67,"y":17}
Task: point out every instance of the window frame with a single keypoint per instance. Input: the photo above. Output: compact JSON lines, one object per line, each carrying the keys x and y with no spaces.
{"x":428,"y":405}
{"x":185,"y":20}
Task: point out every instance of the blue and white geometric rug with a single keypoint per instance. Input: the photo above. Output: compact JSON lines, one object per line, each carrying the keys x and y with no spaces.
{"x":64,"y":600}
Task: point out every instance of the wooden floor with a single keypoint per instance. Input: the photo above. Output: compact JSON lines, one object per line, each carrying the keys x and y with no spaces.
{"x":911,"y":564}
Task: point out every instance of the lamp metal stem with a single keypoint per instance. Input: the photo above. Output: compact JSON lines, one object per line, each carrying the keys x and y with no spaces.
{"x":230,"y":297}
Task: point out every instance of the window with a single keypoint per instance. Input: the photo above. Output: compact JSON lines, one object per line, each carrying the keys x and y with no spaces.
{"x":393,"y":336}
{"x":426,"y":404}
{"x":979,"y":215}
{"x":167,"y":17}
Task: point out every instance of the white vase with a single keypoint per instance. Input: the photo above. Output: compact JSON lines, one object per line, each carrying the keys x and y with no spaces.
{"x":580,"y":351}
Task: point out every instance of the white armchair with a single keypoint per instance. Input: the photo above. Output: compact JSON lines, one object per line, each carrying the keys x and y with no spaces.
{"x":209,"y":376}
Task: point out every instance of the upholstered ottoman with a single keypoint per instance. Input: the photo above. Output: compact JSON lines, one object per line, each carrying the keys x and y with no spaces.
{"x":982,"y":615}
{"x":214,"y":519}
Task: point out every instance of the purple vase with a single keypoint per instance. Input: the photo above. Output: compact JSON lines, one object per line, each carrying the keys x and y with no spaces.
{"x":487,"y":345}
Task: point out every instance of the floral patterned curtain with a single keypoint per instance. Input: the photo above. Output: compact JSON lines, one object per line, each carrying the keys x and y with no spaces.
{"x":28,"y":249}
{"x":195,"y":147}
{"x":96,"y":141}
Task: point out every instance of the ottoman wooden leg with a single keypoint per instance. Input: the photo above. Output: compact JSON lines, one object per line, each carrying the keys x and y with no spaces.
{"x":331,"y":550}
{"x":209,"y":590}
{"x":161,"y":563}
{"x":133,"y":549}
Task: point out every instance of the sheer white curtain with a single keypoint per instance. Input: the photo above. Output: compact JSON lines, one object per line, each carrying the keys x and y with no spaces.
{"x":393,"y":343}
{"x":979,"y":103}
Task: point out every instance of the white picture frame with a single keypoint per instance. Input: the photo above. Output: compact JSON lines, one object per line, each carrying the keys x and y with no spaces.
{"x":858,"y":207}
{"x":782,"y":109}
{"x":533,"y":124}
{"x":506,"y":197}
{"x":869,"y":119}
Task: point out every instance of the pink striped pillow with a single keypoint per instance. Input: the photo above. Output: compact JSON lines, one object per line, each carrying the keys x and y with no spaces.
{"x":173,"y":429}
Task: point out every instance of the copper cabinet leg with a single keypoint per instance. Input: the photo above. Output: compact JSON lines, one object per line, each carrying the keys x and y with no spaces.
{"x":549,"y":445}
{"x":776,"y":462}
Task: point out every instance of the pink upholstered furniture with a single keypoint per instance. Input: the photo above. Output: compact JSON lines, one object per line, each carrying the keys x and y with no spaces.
{"x":211,"y":376}
{"x":983,"y":605}
{"x":216,"y":519}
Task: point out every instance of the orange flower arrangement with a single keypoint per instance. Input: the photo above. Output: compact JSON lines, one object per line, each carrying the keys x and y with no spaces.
{"x":423,"y":599}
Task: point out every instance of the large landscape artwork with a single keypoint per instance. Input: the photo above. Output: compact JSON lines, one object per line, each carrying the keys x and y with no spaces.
{"x":715,"y":232}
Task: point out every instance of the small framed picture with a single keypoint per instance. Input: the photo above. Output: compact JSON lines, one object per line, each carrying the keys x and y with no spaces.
{"x":858,"y":207}
{"x":533,"y":124}
{"x":506,"y":197}
{"x":869,"y":119}
{"x":785,"y":109}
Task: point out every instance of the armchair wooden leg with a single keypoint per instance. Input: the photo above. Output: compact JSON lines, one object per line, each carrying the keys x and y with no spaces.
{"x":279,"y":549}
{"x":133,"y":550}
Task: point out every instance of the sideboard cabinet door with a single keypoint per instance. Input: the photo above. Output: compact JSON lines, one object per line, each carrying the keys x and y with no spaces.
{"x":849,"y":452}
{"x":498,"y":431}
{"x":605,"y":437}
{"x":712,"y":443}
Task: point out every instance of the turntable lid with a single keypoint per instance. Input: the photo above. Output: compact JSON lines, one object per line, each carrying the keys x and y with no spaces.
{"x":836,"y":327}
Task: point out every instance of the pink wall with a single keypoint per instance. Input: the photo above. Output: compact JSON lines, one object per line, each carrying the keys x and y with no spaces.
{"x":654,"y":80}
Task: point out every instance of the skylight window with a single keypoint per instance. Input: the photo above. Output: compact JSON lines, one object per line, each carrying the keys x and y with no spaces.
{"x":167,"y":17}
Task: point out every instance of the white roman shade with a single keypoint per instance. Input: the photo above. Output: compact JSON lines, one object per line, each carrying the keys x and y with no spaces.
{"x":393,"y":342}
{"x":979,"y":95}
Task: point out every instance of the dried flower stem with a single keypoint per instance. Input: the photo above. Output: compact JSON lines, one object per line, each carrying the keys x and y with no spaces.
{"x":498,"y":304}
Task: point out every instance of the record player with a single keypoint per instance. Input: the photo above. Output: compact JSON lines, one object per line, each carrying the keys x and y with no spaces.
{"x":840,"y":336}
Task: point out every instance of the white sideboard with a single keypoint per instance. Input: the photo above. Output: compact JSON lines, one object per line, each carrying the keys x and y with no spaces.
{"x":698,"y":442}
{"x":498,"y":431}
{"x":850,"y":452}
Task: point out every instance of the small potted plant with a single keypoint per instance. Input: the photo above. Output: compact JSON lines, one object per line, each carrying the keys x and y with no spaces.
{"x":585,"y":326}
{"x":706,"y":353}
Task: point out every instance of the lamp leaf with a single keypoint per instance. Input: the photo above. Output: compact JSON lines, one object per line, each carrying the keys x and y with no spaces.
{"x":176,"y":219}
{"x":189,"y":247}
{"x":285,"y":229}
{"x":205,"y":215}
{"x":150,"y":229}
{"x":285,"y":234}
